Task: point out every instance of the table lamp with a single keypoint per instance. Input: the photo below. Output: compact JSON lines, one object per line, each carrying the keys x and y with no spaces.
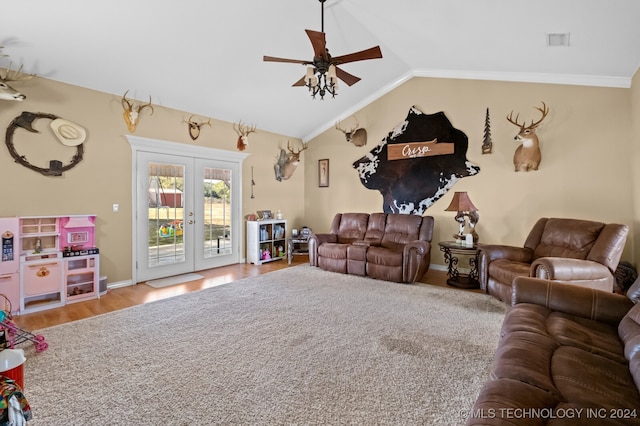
{"x":466,"y":212}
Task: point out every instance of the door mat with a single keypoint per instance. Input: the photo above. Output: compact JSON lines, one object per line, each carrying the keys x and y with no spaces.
{"x":178,"y":279}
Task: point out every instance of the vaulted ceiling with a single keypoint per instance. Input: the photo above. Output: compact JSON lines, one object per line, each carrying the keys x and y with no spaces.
{"x":205,"y":57}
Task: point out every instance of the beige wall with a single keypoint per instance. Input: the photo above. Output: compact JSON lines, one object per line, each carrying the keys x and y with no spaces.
{"x":635,"y":159}
{"x":586,"y":170}
{"x":590,"y":144}
{"x":104,"y":176}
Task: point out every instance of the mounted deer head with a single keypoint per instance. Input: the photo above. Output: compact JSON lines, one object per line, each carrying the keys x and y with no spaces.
{"x":132,"y":112}
{"x":527,"y":156}
{"x":286,"y":163}
{"x":7,"y":92}
{"x":243,"y":134}
{"x":194,"y":127}
{"x":356,"y":135}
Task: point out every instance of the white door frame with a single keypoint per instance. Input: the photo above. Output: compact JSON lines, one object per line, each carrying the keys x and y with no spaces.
{"x":140,"y":144}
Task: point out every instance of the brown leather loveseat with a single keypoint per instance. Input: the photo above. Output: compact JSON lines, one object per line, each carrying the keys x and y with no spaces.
{"x":580,"y":252}
{"x":567,"y":355}
{"x":391,"y":247}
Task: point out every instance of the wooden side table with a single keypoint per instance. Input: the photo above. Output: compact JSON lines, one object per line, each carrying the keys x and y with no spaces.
{"x":453,"y":252}
{"x":297,"y":246}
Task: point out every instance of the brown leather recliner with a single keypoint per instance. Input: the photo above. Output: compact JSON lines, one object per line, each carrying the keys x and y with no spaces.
{"x":579,"y":252}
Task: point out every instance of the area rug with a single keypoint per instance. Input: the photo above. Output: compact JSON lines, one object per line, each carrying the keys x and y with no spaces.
{"x":176,"y":279}
{"x":296,"y":346}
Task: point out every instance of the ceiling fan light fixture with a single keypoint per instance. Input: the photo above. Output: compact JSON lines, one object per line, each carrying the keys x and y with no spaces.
{"x":323,"y":72}
{"x":310,"y":75}
{"x":332,"y":74}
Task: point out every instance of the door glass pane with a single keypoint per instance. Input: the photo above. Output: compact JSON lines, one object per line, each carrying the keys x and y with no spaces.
{"x":165,"y":218}
{"x":217,"y":212}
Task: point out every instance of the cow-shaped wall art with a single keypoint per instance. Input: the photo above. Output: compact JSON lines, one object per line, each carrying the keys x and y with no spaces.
{"x":416,"y":163}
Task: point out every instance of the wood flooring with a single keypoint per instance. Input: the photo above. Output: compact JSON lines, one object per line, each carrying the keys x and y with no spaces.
{"x":125,"y":297}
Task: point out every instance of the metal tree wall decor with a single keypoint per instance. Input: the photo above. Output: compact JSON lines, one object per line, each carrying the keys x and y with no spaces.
{"x":487,"y":145}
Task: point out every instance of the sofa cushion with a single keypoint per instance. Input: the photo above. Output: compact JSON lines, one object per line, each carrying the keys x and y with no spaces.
{"x":526,"y":357}
{"x":333,"y":250}
{"x":589,"y":380}
{"x":353,"y":226}
{"x":592,"y":336}
{"x":572,"y":238}
{"x":355,"y":252}
{"x":375,"y":228}
{"x":400,"y":230}
{"x":505,"y":270}
{"x":384,"y":256}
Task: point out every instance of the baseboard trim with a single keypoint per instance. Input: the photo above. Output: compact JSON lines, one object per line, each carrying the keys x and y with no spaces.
{"x":119,"y":284}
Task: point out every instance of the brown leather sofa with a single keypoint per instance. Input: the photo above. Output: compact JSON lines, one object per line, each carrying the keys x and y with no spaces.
{"x":579,"y":252}
{"x":391,"y":247}
{"x":567,"y":355}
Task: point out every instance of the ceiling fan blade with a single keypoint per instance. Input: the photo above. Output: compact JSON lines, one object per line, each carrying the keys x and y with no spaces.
{"x":300,"y":82}
{"x":319,"y":43}
{"x":293,"y":61}
{"x":363,"y":55}
{"x":350,"y":79}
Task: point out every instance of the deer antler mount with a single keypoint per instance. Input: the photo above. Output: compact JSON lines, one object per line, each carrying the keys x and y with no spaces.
{"x":355,"y":135}
{"x":194,"y":127}
{"x":243,"y":132}
{"x":7,"y":92}
{"x":132,"y":112}
{"x":527,"y":156}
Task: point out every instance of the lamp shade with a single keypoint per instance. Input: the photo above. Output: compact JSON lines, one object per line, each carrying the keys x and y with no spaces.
{"x":461,"y":203}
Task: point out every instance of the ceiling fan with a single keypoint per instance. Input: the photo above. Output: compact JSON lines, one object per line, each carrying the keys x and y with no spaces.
{"x":323,"y":68}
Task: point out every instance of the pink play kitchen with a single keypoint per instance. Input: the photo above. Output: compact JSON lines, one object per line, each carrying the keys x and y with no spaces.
{"x":48,"y":261}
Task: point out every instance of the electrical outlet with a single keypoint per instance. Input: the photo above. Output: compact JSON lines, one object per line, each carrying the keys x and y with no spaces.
{"x":116,"y":207}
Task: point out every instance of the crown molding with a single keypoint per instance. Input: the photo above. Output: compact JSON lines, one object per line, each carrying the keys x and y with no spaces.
{"x":567,"y":79}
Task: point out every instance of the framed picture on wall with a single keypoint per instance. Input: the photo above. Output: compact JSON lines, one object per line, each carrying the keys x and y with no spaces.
{"x":323,"y":173}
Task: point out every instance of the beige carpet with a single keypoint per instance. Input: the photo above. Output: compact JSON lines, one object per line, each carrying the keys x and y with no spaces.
{"x":297,"y":346}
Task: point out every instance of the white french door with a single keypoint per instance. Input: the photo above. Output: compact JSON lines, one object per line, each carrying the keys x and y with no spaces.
{"x":187,"y":208}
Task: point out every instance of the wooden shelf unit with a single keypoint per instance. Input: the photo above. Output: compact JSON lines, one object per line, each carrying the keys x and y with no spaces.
{"x":266,"y":240}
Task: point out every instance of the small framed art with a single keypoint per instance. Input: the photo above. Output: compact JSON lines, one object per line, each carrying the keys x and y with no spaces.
{"x":265,"y":214}
{"x":323,"y":173}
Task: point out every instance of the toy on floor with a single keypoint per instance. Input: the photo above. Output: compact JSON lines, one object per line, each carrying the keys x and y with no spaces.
{"x":11,"y":334}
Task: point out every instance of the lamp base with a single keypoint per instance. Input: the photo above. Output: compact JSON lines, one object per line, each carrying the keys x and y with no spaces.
{"x":463,"y":237}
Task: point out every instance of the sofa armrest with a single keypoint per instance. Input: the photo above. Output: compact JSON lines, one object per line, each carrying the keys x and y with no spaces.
{"x":491,"y":252}
{"x":314,"y":242}
{"x":416,"y":259}
{"x":422,"y":247}
{"x":567,"y":269}
{"x":574,"y":300}
{"x":487,"y":253}
{"x":324,"y":238}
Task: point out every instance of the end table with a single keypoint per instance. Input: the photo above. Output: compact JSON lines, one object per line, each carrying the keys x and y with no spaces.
{"x":453,"y":251}
{"x":297,"y":246}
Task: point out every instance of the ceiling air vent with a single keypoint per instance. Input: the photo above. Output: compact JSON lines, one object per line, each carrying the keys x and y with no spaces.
{"x":557,"y":39}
